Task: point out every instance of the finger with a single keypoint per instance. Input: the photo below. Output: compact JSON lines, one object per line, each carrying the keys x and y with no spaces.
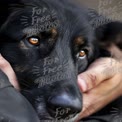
{"x":100,"y":96}
{"x":101,"y":70}
{"x":7,"y":69}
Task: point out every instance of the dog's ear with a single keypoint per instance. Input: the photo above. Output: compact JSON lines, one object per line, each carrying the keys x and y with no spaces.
{"x":110,"y":33}
{"x":107,"y":34}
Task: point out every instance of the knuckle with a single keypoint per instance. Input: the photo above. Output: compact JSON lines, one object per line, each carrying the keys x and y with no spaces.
{"x":91,"y":80}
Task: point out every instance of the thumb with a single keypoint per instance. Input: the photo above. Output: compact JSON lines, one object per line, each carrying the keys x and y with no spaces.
{"x":101,"y":70}
{"x":7,"y":69}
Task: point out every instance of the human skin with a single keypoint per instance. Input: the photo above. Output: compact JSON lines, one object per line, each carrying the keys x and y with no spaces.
{"x":7,"y":69}
{"x":102,"y":80}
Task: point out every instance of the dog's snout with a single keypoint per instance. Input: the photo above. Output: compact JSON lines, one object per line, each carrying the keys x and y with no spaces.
{"x":63,"y":105}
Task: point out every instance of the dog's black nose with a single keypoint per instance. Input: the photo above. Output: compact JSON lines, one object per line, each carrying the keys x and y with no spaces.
{"x":64,"y":105}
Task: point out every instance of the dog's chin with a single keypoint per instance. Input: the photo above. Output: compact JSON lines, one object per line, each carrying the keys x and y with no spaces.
{"x":45,"y":116}
{"x":51,"y":119}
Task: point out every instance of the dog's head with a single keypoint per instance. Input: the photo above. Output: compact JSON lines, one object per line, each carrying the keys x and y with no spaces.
{"x":48,"y":43}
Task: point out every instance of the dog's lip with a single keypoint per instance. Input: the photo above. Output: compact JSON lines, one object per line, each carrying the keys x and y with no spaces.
{"x":74,"y":119}
{"x":50,"y":119}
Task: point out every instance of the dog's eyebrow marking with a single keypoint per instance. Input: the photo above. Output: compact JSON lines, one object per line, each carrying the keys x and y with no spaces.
{"x":79,"y":40}
{"x":53,"y":32}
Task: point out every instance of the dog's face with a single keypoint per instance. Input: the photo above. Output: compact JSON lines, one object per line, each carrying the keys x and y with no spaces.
{"x":47,"y":45}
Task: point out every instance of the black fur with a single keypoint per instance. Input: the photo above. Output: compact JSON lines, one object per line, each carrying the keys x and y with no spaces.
{"x":31,"y":62}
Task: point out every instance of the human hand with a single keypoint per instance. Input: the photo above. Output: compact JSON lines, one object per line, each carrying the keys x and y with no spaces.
{"x":100,"y":84}
{"x":7,"y":69}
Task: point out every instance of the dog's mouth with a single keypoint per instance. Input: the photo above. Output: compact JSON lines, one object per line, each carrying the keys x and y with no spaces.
{"x":67,"y":119}
{"x":46,"y":113}
{"x":48,"y":117}
{"x":62,"y":115}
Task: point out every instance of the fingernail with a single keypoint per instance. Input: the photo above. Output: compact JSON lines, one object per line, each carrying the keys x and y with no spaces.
{"x":82,"y":84}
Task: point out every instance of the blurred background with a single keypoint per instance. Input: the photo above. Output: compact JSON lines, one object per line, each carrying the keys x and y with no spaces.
{"x":111,"y":8}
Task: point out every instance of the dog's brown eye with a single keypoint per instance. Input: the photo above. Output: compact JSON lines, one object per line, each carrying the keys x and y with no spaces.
{"x":81,"y":54}
{"x":79,"y":40}
{"x":33,"y":41}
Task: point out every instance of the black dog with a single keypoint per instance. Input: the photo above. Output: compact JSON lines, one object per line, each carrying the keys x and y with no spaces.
{"x":48,"y":43}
